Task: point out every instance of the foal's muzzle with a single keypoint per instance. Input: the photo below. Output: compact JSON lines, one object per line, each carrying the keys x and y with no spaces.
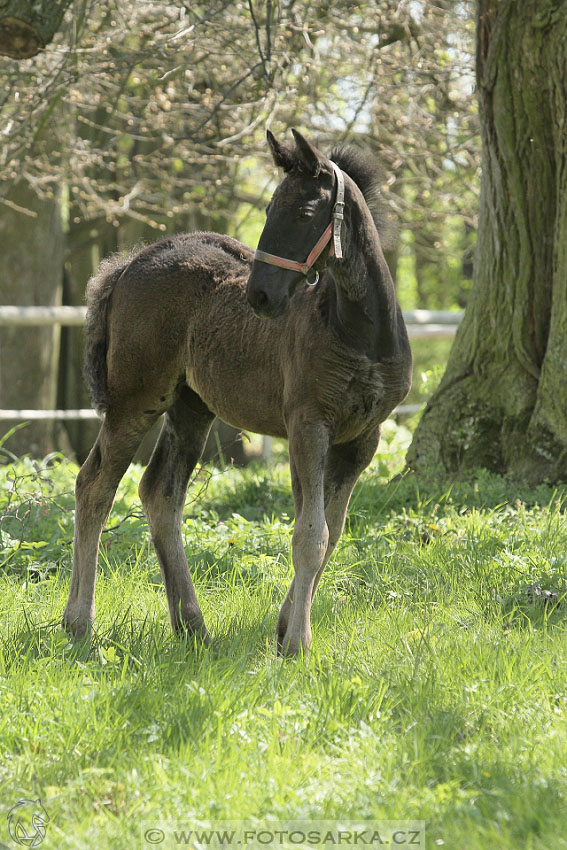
{"x":267,"y":297}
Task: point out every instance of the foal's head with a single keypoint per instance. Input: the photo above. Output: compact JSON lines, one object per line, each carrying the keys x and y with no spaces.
{"x":297,"y":216}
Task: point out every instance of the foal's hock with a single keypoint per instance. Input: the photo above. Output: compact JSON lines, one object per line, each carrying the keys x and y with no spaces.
{"x":303,"y":340}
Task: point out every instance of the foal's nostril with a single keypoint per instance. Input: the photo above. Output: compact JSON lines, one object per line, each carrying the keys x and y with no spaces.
{"x":258,"y":298}
{"x":261,"y":304}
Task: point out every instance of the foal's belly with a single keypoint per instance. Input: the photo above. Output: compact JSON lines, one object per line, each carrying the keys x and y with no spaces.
{"x":247,"y":394}
{"x":243,"y":367}
{"x":244,"y":410}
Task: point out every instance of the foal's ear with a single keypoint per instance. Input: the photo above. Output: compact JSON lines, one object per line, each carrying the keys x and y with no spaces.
{"x":309,"y":156}
{"x":281,"y":154}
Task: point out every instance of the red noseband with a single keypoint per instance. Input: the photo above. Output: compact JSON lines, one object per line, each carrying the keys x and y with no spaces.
{"x":333,"y":229}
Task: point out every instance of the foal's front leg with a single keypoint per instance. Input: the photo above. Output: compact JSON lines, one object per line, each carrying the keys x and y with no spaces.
{"x":308,"y":446}
{"x":343,"y":466}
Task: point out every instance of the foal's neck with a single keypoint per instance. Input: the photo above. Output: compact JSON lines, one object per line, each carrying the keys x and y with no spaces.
{"x":367,"y":313}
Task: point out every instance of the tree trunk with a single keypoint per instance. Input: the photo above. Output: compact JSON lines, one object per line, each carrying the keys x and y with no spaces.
{"x":26,"y":26}
{"x":31,"y":275}
{"x":87,"y":244}
{"x":502,"y":401}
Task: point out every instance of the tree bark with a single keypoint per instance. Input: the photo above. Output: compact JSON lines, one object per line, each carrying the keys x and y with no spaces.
{"x":87,"y":244}
{"x":26,"y":26}
{"x":502,"y":401}
{"x":31,"y":275}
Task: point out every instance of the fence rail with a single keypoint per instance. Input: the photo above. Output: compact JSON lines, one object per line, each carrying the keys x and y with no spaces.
{"x":421,"y":324}
{"x":26,"y":316}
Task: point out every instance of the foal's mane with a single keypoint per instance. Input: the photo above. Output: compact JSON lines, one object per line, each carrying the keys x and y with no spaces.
{"x":366,"y":172}
{"x":368,"y":176}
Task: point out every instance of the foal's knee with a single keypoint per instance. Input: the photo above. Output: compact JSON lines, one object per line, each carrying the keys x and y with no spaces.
{"x":146,"y":491}
{"x":90,"y":485}
{"x":310,"y":541}
{"x":152,"y":494}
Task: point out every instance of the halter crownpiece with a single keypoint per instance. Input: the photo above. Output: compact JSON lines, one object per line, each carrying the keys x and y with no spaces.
{"x":333,"y":229}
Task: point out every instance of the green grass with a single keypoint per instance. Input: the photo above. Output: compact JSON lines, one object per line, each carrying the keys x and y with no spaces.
{"x":436,"y":689}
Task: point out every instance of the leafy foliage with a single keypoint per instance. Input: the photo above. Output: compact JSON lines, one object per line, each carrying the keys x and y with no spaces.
{"x":153,"y":112}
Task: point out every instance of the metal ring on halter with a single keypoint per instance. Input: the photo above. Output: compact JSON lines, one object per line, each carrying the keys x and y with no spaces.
{"x":312,"y":282}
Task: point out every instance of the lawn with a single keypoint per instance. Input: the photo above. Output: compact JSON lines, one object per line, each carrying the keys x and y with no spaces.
{"x":436,"y":690}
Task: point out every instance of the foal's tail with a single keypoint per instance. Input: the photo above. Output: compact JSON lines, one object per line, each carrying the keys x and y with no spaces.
{"x":99,"y":290}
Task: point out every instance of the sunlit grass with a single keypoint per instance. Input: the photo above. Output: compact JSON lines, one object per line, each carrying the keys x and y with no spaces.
{"x":436,"y":689}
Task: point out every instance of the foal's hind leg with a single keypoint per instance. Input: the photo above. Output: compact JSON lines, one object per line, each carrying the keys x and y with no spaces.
{"x":95,"y":488}
{"x":162,"y":491}
{"x":342,"y":470}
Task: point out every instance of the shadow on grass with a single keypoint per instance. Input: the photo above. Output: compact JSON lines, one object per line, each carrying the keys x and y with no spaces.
{"x":515,"y":806}
{"x":483,"y":490}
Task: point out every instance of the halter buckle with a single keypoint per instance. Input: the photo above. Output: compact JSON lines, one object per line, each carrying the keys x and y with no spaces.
{"x":338,"y":210}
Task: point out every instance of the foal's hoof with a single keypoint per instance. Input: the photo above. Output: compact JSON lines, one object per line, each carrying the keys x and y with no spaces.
{"x":77,"y":626}
{"x":293,"y":649}
{"x":194,"y":634}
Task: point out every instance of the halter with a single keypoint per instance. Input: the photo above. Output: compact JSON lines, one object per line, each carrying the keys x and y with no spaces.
{"x":333,"y":228}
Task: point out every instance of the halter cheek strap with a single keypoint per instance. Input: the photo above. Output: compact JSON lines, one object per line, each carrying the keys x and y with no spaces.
{"x":338,"y":212}
{"x":333,"y":229}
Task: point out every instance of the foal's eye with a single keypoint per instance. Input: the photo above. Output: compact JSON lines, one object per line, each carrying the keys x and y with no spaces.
{"x":306,"y":212}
